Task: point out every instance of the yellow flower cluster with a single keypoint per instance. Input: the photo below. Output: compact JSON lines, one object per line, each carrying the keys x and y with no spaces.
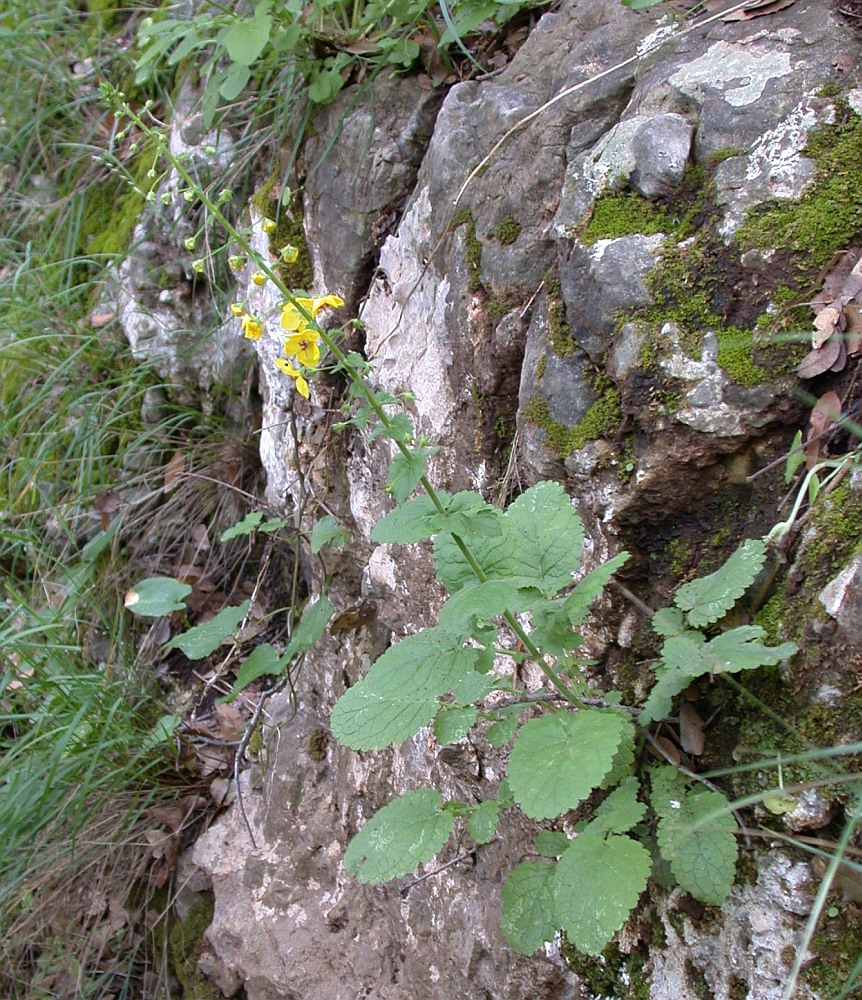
{"x":303,"y":342}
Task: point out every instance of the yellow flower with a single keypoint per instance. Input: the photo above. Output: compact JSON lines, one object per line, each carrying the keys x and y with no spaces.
{"x":295,"y":374}
{"x":290,"y":254}
{"x":269,"y":226}
{"x":304,"y":347}
{"x":259,"y":278}
{"x":236,"y":309}
{"x":252,"y":327}
{"x":236,"y":262}
{"x":294,"y":321}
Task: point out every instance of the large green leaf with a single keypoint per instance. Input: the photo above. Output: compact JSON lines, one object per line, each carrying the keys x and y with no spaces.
{"x":482,"y":825}
{"x":464,"y":514}
{"x":696,"y":834}
{"x":487,"y":600}
{"x":560,"y":758}
{"x":688,"y":656}
{"x":709,"y":598}
{"x":529,"y":919}
{"x":405,"y":470}
{"x":402,"y":835}
{"x":399,"y":694}
{"x":596,"y":885}
{"x":540,"y":540}
{"x":246,"y":38}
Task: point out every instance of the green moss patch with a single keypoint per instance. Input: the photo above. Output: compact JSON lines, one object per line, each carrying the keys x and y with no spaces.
{"x":508,"y":231}
{"x":602,"y":419}
{"x":828,"y":217}
{"x":473,"y":249}
{"x":625,"y":214}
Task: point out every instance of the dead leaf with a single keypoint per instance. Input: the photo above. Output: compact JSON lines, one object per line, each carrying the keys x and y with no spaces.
{"x":758,"y":8}
{"x":106,"y":502}
{"x":691,"y":729}
{"x":222,"y":791}
{"x":231,"y":721}
{"x":173,"y":471}
{"x":669,"y":748}
{"x":826,"y":411}
{"x":201,"y":538}
{"x":101,"y":318}
{"x":820,"y":360}
{"x":353,"y":619}
{"x":188,"y":573}
{"x":825,"y":324}
{"x":841,"y":360}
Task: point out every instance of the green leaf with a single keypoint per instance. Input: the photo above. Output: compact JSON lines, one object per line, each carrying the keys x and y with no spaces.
{"x":596,"y":885}
{"x":161,"y":732}
{"x":696,"y":835}
{"x":669,"y":622}
{"x":406,"y":470}
{"x":399,"y":694}
{"x":487,"y":600}
{"x":640,"y":4}
{"x":247,"y":37}
{"x":503,"y":731}
{"x":253,"y":521}
{"x":529,"y":918}
{"x":709,"y":598}
{"x":472,"y":686}
{"x":795,"y":458}
{"x":264,"y":659}
{"x":324,"y":86}
{"x":551,"y":843}
{"x":482,"y":825}
{"x":204,"y":639}
{"x":621,"y":810}
{"x":402,"y":835}
{"x":453,"y":724}
{"x":578,"y":603}
{"x":327,"y":531}
{"x":560,"y":758}
{"x":465,"y":513}
{"x":688,"y":656}
{"x":540,"y":539}
{"x":157,"y":596}
{"x":234,"y":81}
{"x":399,"y":427}
{"x":311,"y":626}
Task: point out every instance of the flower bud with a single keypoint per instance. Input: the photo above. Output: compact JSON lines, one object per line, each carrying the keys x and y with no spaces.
{"x":259,"y":278}
{"x":189,"y":243}
{"x":269,"y":226}
{"x":198,"y":266}
{"x":235,"y":262}
{"x":236,"y":309}
{"x":289,"y":254}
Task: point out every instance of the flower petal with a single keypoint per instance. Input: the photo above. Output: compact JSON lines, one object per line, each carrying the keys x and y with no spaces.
{"x":326,"y":302}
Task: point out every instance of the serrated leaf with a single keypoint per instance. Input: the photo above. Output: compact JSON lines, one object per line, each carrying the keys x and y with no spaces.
{"x":399,"y":427}
{"x":253,"y":521}
{"x":157,"y":596}
{"x":399,"y":837}
{"x":205,"y":638}
{"x":453,"y":724}
{"x":465,"y":514}
{"x":406,"y":470}
{"x":246,"y":39}
{"x":560,"y":758}
{"x":578,"y":603}
{"x":482,"y":825}
{"x":551,"y":843}
{"x":399,"y":694}
{"x":486,"y":600}
{"x":540,"y":539}
{"x":624,"y":758}
{"x":688,"y":656}
{"x":669,"y":622}
{"x":696,"y":835}
{"x":709,"y":598}
{"x":503,"y":731}
{"x":472,"y":686}
{"x":621,"y":810}
{"x":327,"y":531}
{"x":592,"y":909}
{"x":528,"y":918}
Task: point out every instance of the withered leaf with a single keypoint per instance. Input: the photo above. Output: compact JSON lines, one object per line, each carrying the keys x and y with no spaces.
{"x":826,"y":411}
{"x":691,"y":729}
{"x":173,"y":471}
{"x":820,"y":360}
{"x":669,"y":748}
{"x":841,"y":360}
{"x":758,"y":8}
{"x":825,"y":324}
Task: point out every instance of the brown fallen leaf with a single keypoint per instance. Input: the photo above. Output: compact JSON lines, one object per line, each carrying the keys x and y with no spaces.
{"x":173,"y":471}
{"x":691,"y":734}
{"x":820,"y":360}
{"x":825,"y":324}
{"x":826,"y":412}
{"x":758,"y":8}
{"x":669,"y":748}
{"x":841,"y":360}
